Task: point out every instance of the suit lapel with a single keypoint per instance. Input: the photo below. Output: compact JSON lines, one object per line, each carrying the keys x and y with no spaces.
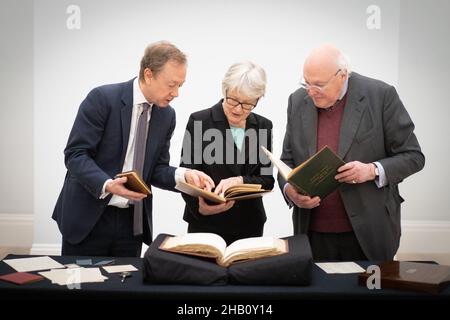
{"x":221,"y":123}
{"x":125,"y":117}
{"x":353,"y":112}
{"x":309,"y":124}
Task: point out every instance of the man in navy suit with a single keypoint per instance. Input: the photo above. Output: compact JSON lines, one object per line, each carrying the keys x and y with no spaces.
{"x":95,"y":211}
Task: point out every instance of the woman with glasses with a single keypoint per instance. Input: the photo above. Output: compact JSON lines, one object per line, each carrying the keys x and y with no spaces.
{"x":224,"y":141}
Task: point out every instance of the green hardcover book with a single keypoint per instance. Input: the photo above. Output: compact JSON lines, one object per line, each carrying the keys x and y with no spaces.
{"x":315,"y":176}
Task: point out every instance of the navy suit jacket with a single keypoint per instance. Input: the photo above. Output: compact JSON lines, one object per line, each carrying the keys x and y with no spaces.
{"x":95,"y":152}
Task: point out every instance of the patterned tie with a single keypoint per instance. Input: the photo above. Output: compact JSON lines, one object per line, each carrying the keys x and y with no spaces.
{"x":138,"y":164}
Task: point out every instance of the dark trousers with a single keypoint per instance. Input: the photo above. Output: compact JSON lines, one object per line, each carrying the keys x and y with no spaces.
{"x":229,"y":237}
{"x":112,"y":236}
{"x":335,"y":246}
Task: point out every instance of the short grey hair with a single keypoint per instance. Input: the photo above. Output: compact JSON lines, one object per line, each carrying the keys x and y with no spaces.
{"x":157,"y":54}
{"x":246,"y":78}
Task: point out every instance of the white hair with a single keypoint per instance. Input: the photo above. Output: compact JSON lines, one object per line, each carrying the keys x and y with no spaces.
{"x":343,"y":62}
{"x":246,"y":78}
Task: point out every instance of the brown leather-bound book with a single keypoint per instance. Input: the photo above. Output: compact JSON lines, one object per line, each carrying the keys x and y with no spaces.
{"x":135,"y":182}
{"x":211,"y":245}
{"x":21,"y":277}
{"x":414,"y":276}
{"x":236,"y":192}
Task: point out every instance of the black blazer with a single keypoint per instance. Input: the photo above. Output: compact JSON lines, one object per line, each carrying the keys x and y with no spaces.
{"x":246,"y":217}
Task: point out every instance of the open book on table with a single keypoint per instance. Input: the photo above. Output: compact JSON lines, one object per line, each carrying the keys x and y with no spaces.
{"x":135,"y":182}
{"x":315,"y":176}
{"x":236,"y":192}
{"x":211,"y":245}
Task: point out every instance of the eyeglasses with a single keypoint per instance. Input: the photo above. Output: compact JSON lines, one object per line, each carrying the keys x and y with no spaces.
{"x":318,"y":88}
{"x":246,"y":106}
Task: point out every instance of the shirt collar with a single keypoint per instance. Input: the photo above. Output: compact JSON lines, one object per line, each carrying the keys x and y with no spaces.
{"x":138,"y":96}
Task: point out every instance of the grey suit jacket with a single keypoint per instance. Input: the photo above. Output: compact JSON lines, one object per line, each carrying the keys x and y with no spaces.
{"x":375,"y":127}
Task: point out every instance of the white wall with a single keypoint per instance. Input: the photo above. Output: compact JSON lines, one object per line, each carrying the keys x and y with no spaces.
{"x":214,"y":34}
{"x":424,"y":85}
{"x":16,"y":109}
{"x":276,"y":34}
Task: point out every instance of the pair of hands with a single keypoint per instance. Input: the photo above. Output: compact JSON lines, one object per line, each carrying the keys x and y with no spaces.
{"x":194,"y":177}
{"x":352,"y":172}
{"x":203,"y":181}
{"x":207,"y":210}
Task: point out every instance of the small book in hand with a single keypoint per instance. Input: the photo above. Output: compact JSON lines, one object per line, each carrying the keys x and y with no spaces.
{"x":237,"y":192}
{"x":315,"y":176}
{"x":135,"y":182}
{"x":211,"y":245}
{"x":21,"y":277}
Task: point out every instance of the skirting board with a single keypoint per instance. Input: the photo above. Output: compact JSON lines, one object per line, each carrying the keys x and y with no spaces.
{"x":50,"y":249}
{"x":46,"y":249}
{"x":418,"y":236}
{"x":425,"y":236}
{"x":16,"y":230}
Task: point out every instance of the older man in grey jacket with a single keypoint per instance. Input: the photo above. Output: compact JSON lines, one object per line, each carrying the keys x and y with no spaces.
{"x":366,"y":124}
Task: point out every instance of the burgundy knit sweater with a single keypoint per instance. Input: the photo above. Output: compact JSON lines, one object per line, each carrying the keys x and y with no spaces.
{"x":330,"y":215}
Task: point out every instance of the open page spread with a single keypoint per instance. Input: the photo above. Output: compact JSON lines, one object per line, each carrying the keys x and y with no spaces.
{"x":236,"y":192}
{"x":200,"y":244}
{"x":211,"y":245}
{"x":197,"y":192}
{"x":253,"y":248}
